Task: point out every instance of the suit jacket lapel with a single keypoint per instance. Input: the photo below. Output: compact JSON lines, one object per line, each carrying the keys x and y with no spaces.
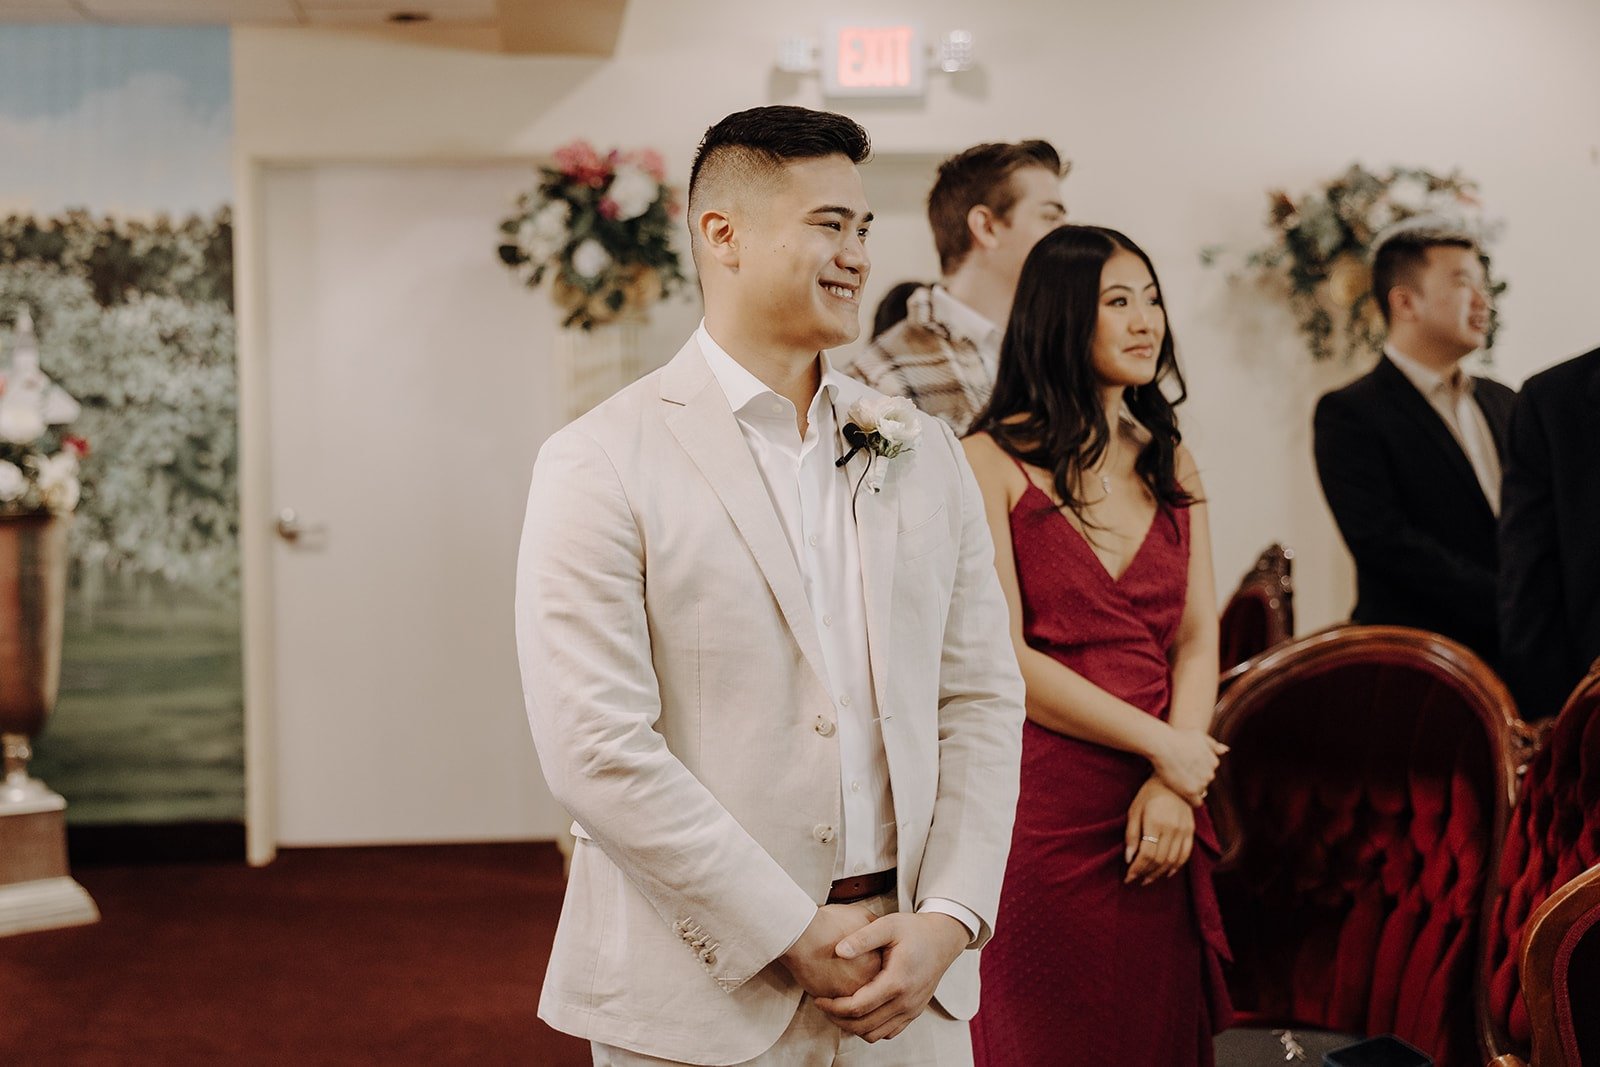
{"x":707,"y":430}
{"x":877,"y":537}
{"x":1417,"y":408}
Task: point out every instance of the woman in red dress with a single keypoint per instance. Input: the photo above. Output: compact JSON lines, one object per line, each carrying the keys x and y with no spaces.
{"x":1107,"y":944}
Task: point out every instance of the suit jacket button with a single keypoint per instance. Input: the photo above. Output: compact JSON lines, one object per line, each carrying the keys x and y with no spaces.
{"x":822,"y":833}
{"x":824,"y":726}
{"x":709,"y":958}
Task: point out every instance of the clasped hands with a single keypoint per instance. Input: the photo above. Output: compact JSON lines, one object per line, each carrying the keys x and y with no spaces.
{"x":874,"y":976}
{"x":1160,"y":829}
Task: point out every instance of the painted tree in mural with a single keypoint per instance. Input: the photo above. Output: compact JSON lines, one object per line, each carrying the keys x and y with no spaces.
{"x":136,"y":321}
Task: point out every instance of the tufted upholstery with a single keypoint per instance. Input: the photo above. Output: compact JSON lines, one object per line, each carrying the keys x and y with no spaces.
{"x":1260,"y":614}
{"x":1553,"y":836}
{"x":1370,"y":775}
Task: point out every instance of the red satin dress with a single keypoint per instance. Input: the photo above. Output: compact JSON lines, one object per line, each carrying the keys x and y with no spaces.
{"x":1083,"y":969}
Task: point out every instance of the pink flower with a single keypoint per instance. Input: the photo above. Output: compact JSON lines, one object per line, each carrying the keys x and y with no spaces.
{"x":649,"y":161}
{"x":76,"y":444}
{"x":609,"y":209}
{"x":580,"y":162}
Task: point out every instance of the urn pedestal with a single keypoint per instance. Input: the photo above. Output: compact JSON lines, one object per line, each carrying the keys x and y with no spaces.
{"x":36,"y":890}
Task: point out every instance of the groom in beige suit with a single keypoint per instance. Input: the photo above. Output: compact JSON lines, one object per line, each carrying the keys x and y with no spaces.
{"x":767,"y":663}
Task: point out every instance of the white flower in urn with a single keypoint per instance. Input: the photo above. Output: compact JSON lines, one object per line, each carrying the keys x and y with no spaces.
{"x":58,"y":480}
{"x":12,"y":482}
{"x":883,"y":425}
{"x":590,"y":259}
{"x":21,"y":423}
{"x":632,"y":191}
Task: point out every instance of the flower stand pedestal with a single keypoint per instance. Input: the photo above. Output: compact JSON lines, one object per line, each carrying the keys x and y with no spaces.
{"x":36,"y":890}
{"x":596,"y":363}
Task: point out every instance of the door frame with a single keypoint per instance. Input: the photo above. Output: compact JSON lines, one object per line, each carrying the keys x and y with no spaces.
{"x":257,"y":538}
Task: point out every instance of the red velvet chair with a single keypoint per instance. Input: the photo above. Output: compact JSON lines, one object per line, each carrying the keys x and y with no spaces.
{"x":1371,"y":772}
{"x":1260,"y":614}
{"x":1553,"y":837}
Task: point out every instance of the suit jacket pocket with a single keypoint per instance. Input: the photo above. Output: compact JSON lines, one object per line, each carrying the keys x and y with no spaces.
{"x":925,"y":536}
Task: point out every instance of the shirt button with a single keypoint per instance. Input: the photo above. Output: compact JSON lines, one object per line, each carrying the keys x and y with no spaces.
{"x":860,"y":867}
{"x":812,"y":540}
{"x":823,"y":833}
{"x":777,"y":408}
{"x":827,"y":620}
{"x":844,"y":701}
{"x":855,"y":787}
{"x":824,"y":726}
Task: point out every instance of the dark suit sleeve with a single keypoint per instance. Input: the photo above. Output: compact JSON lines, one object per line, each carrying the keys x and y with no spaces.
{"x":1358,"y":481}
{"x":1534,"y":641}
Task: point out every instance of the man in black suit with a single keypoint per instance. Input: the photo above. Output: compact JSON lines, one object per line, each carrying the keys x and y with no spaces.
{"x":1550,"y":536}
{"x":1409,"y":455}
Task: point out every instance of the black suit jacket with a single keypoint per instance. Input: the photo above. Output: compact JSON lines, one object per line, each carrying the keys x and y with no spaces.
{"x":1409,"y":506}
{"x":1550,"y":536}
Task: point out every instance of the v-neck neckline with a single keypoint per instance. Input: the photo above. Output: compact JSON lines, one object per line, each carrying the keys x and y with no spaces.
{"x":1083,"y":539}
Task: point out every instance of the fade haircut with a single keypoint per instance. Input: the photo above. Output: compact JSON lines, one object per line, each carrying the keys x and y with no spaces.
{"x":980,"y":175}
{"x":751,"y":148}
{"x":1401,"y":257}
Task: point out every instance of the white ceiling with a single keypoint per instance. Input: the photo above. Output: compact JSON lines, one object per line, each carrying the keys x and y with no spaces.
{"x":246,"y":12}
{"x":518,"y":27}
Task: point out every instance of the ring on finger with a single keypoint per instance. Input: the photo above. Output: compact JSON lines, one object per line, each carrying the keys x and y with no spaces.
{"x":1152,"y":840}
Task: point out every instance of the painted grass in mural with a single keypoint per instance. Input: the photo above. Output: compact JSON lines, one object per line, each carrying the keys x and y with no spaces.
{"x":135,"y":319}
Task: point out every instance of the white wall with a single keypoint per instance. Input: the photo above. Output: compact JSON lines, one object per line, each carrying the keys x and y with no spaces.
{"x":1178,"y":117}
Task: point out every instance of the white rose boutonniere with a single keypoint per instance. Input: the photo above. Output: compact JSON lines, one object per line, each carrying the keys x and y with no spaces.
{"x":885,"y":426}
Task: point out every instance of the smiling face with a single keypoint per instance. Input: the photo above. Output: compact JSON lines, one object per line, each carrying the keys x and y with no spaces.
{"x":1446,"y":303}
{"x":801,"y":255}
{"x":1131,"y":323}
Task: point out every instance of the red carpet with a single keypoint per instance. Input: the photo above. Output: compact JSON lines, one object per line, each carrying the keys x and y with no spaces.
{"x":417,"y":955}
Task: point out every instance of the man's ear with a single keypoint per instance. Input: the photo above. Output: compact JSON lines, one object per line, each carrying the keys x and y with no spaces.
{"x":1402,"y":304}
{"x":981,"y":222}
{"x":717,"y":238}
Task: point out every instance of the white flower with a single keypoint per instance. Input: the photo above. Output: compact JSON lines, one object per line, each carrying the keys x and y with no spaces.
{"x":58,"y":480}
{"x":892,"y":420}
{"x":541,"y":234}
{"x":20,"y":423}
{"x":590,"y":259}
{"x":551,"y":220}
{"x":633,"y":191}
{"x":1410,"y":195}
{"x":63,"y":496}
{"x":12,"y":483}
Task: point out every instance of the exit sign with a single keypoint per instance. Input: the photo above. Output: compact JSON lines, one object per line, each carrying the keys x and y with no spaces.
{"x":873,"y":59}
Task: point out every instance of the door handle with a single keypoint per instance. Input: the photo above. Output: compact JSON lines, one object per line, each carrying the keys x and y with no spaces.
{"x":293,"y":530}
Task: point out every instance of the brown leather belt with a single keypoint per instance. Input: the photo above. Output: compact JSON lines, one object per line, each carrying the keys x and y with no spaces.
{"x":862,"y":886}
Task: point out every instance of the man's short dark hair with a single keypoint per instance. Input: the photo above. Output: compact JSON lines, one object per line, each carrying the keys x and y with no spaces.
{"x":755,"y":144}
{"x":980,"y":175}
{"x":1400,"y":258}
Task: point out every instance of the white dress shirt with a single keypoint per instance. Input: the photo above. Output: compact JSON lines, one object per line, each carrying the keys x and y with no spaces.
{"x":963,"y":321}
{"x":812,"y":498}
{"x":1451,"y":395}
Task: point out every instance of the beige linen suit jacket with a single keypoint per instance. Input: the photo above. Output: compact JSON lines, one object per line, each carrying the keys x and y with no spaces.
{"x":674,"y":686}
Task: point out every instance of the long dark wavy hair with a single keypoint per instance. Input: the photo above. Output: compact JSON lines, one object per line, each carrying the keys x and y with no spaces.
{"x":1046,"y":409}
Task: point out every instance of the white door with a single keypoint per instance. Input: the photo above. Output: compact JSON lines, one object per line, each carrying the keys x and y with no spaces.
{"x":411,"y":381}
{"x":410,"y":387}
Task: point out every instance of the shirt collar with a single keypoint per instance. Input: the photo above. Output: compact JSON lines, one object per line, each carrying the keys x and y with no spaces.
{"x":743,"y":389}
{"x":1425,"y":378}
{"x":962,"y":320}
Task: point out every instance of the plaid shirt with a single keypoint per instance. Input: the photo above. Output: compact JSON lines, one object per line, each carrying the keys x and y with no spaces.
{"x":924,"y":359}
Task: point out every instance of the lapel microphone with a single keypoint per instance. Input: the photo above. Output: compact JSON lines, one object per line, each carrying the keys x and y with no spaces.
{"x":856,"y":438}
